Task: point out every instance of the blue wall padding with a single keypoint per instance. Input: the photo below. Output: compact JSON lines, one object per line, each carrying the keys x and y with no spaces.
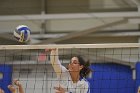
{"x":137,"y":75}
{"x":7,"y":75}
{"x":111,"y":78}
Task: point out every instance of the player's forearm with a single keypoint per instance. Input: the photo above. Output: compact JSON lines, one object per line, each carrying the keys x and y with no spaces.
{"x":55,"y":61}
{"x":54,"y":56}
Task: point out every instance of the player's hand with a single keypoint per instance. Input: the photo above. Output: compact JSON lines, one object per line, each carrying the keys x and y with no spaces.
{"x":59,"y":89}
{"x":12,"y":88}
{"x":49,"y":50}
{"x":16,"y":82}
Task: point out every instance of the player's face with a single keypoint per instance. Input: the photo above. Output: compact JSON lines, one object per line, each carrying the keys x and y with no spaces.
{"x":74,"y":65}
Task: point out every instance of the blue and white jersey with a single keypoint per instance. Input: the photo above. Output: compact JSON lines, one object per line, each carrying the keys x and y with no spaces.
{"x":82,"y":86}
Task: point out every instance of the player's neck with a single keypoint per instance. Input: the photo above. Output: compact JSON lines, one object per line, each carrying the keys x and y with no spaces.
{"x":75,"y":77}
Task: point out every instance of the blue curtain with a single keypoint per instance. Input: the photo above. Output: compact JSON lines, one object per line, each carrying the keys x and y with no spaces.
{"x":111,"y":78}
{"x":137,"y":76}
{"x":6,"y":75}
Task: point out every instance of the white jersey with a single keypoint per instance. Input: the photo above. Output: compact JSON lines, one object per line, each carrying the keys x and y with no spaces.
{"x":64,"y":78}
{"x":82,"y":86}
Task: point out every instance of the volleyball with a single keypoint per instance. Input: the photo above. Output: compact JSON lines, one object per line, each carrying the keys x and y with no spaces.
{"x":22,"y":33}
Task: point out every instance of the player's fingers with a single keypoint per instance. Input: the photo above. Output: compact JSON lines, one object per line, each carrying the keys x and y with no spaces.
{"x":48,"y":49}
{"x":11,"y":87}
{"x":57,"y":88}
{"x":16,"y":82}
{"x":61,"y":87}
{"x":58,"y":91}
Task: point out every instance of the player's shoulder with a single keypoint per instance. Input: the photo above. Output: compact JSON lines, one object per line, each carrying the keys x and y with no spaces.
{"x":83,"y":83}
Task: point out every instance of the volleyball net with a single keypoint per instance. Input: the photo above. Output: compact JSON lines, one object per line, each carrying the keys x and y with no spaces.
{"x":116,"y":67}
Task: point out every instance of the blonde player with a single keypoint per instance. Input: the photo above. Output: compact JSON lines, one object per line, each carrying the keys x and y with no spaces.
{"x":71,"y":80}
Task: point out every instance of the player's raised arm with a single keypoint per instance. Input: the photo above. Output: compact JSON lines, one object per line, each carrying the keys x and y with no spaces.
{"x":54,"y":59}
